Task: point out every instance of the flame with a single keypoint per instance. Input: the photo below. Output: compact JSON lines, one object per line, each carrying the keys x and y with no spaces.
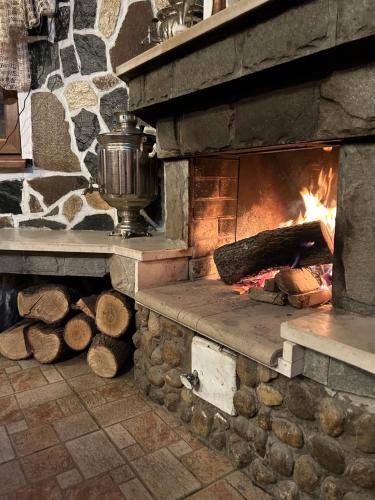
{"x":316,"y":201}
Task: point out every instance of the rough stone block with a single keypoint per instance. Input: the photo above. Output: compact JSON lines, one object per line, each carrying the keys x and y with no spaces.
{"x":85,"y":266}
{"x":165,"y":134}
{"x":306,"y":474}
{"x":343,"y":377}
{"x":158,"y":84}
{"x":328,"y":453}
{"x":176,"y":179}
{"x":281,"y":458}
{"x":316,"y":366}
{"x":365,"y":432}
{"x":288,"y":432}
{"x":332,"y":417}
{"x":354,"y":19}
{"x":122,"y":272}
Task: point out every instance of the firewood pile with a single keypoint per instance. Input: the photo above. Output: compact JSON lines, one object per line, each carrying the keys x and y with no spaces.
{"x":57,"y":322}
{"x":280,"y":266}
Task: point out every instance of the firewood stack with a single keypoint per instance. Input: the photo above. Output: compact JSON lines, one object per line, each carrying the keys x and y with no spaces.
{"x":56,"y":323}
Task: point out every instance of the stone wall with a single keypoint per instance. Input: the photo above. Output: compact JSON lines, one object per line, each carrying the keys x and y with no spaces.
{"x":296,"y":439}
{"x":74,"y":95}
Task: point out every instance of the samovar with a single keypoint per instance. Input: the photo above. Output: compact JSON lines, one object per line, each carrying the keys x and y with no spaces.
{"x":127,"y":168}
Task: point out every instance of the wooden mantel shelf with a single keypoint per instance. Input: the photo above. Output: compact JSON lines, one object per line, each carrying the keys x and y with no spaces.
{"x":197,"y":33}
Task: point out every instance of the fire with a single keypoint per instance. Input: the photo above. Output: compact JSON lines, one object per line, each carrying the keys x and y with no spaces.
{"x":316,"y":201}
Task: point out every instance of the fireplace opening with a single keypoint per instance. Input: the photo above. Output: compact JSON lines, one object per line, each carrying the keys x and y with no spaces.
{"x":275,"y":226}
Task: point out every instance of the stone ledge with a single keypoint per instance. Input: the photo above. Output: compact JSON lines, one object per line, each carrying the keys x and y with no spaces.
{"x":340,"y":335}
{"x":213,"y":310}
{"x":91,"y":242}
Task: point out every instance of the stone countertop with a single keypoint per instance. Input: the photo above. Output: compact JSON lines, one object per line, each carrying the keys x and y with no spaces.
{"x":212,"y":309}
{"x":341,"y":335}
{"x":93,"y":242}
{"x":205,"y":28}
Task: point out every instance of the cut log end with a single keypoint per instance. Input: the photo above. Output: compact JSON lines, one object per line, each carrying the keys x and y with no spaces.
{"x":107,"y":356}
{"x":261,"y":295}
{"x":46,"y":343}
{"x":113,"y":313}
{"x":310,"y":299}
{"x":79,"y":331}
{"x":87,"y":305}
{"x":13,"y":343}
{"x":49,"y":304}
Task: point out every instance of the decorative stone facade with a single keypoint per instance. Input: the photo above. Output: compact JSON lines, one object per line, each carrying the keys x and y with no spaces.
{"x":294,"y":438}
{"x":74,"y":95}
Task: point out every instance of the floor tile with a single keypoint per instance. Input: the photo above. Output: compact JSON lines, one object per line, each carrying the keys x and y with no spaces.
{"x":132,"y":452}
{"x":5,"y":388}
{"x":165,"y":476}
{"x":21,"y":425}
{"x":114,"y":412}
{"x":180,"y":448}
{"x":134,"y":490}
{"x":73,"y":426}
{"x":51,"y":374}
{"x":218,"y":491}
{"x":70,"y":405}
{"x":11,"y":477}
{"x":119,"y":435}
{"x":122,"y":474}
{"x":94,"y":454}
{"x":244,"y":485}
{"x":85,"y":382}
{"x":169,"y":418}
{"x":101,"y":488}
{"x":106,"y":394}
{"x":6,"y":450}
{"x":43,"y":414}
{"x":27,"y":379}
{"x":9,"y":410}
{"x":207,"y":465}
{"x":69,"y":478}
{"x":50,"y":392}
{"x":73,"y":367}
{"x":150,"y":431}
{"x":5,"y":363}
{"x":35,"y":439}
{"x":186,"y":434}
{"x":12,"y":369}
{"x":47,"y":489}
{"x":46,"y":463}
{"x":25,"y":364}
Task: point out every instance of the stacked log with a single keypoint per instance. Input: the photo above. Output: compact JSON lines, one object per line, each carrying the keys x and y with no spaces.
{"x":56,"y":324}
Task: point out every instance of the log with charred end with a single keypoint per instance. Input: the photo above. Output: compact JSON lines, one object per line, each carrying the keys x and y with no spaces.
{"x":49,"y":303}
{"x":47,"y":342}
{"x":296,"y":281}
{"x":108,"y":355}
{"x":306,"y":243}
{"x":310,"y":299}
{"x":87,"y":305}
{"x":114,"y":312}
{"x":79,"y":331}
{"x":13,"y":341}
{"x":261,"y":295}
{"x":270,"y":285}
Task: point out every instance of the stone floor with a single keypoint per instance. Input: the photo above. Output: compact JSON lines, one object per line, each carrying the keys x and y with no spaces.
{"x":65,"y":433}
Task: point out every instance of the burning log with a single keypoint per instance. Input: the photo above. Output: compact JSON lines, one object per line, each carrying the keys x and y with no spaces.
{"x":270,"y":285}
{"x":261,"y":295}
{"x":308,"y":244}
{"x":296,"y":281}
{"x":310,"y":299}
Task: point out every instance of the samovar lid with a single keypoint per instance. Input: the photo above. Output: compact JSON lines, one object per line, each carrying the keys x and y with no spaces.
{"x":125,"y":130}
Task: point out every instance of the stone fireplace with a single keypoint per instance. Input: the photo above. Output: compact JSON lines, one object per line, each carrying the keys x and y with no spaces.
{"x":251,"y":107}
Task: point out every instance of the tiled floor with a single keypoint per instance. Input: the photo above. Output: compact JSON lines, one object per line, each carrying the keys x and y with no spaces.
{"x":65,"y":433}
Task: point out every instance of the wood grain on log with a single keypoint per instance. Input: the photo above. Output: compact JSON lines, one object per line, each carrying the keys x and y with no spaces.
{"x":79,"y":331}
{"x":295,"y":281}
{"x":261,"y":295}
{"x":311,"y":299}
{"x":108,"y":355}
{"x":113,"y":313}
{"x":49,"y":303}
{"x":13,"y":341}
{"x":87,"y":305}
{"x":47,"y":342}
{"x":308,"y":243}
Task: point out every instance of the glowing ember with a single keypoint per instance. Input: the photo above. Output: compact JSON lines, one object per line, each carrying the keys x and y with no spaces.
{"x":244,"y":285}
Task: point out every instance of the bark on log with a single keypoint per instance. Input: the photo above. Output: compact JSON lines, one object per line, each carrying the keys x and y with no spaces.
{"x":47,"y":343}
{"x":311,"y":299}
{"x":79,"y":331}
{"x":275,"y":248}
{"x":108,"y":355}
{"x":49,"y":303}
{"x":261,"y":295}
{"x":296,"y":281}
{"x":13,"y":341}
{"x":114,"y":312}
{"x":87,"y":305}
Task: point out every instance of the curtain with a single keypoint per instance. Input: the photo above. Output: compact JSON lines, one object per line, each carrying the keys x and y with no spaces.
{"x":16,"y":17}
